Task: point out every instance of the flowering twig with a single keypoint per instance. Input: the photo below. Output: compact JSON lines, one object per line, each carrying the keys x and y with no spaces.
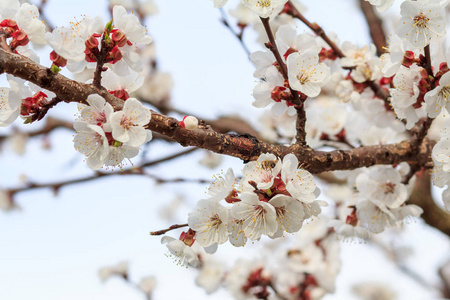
{"x":314,"y":27}
{"x":237,"y":35}
{"x":100,"y":62}
{"x":375,"y":26}
{"x":163,"y":231}
{"x":245,"y":147}
{"x":45,"y":108}
{"x":138,"y":170}
{"x":301,"y":115}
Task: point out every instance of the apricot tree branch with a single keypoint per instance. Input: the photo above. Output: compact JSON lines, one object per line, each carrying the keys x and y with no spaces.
{"x":245,"y":146}
{"x":375,"y":26}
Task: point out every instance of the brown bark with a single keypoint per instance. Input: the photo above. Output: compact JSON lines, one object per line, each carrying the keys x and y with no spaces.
{"x":375,"y":26}
{"x":433,"y":215}
{"x":244,"y":146}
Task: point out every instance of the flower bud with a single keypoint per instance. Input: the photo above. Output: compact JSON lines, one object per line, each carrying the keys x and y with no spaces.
{"x":189,"y":122}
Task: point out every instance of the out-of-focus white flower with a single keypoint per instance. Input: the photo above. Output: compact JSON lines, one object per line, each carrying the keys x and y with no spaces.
{"x":421,"y":22}
{"x":383,"y":186}
{"x":147,"y":284}
{"x":348,"y":232}
{"x":373,"y":291}
{"x":120,"y":269}
{"x":381,"y":5}
{"x":18,"y":142}
{"x":183,"y":254}
{"x":244,"y":16}
{"x":220,"y":3}
{"x":10,"y":100}
{"x":6,"y":202}
{"x":355,"y":56}
{"x":211,"y":160}
{"x":156,"y":87}
{"x":211,"y":275}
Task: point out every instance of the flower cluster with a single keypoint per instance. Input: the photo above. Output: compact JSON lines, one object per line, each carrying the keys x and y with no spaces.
{"x":106,"y":137}
{"x":21,"y":23}
{"x":306,"y":74}
{"x":274,"y":196}
{"x":378,"y":203}
{"x":86,"y":41}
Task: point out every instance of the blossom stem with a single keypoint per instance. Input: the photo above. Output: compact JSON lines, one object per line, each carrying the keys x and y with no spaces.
{"x":314,"y":27}
{"x":100,"y":62}
{"x":301,"y":115}
{"x":138,"y":170}
{"x":237,"y":35}
{"x":163,"y":231}
{"x":272,"y":45}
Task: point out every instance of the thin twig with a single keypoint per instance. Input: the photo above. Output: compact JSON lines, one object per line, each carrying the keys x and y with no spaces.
{"x":237,"y":35}
{"x":163,"y":231}
{"x":314,"y":27}
{"x":138,"y":170}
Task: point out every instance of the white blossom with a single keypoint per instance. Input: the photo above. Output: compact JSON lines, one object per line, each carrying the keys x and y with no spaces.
{"x":306,"y":74}
{"x":222,"y":186}
{"x":147,"y":284}
{"x":128,"y":124}
{"x":129,"y":24}
{"x":265,"y":8}
{"x":299,"y":182}
{"x":381,"y":5}
{"x":258,"y":217}
{"x":437,"y":99}
{"x":10,"y":101}
{"x":92,"y":142}
{"x":182,"y":253}
{"x":209,"y":221}
{"x":421,"y":22}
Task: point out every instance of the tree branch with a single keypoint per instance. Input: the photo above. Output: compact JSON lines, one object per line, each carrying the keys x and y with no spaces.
{"x":245,"y":147}
{"x":375,"y":26}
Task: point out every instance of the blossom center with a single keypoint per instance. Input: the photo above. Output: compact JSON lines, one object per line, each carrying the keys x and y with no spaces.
{"x":421,"y":21}
{"x":215,"y":221}
{"x":445,"y":91}
{"x":259,"y":211}
{"x":263,"y":3}
{"x":303,"y":78}
{"x":126,"y":122}
{"x":388,"y":187}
